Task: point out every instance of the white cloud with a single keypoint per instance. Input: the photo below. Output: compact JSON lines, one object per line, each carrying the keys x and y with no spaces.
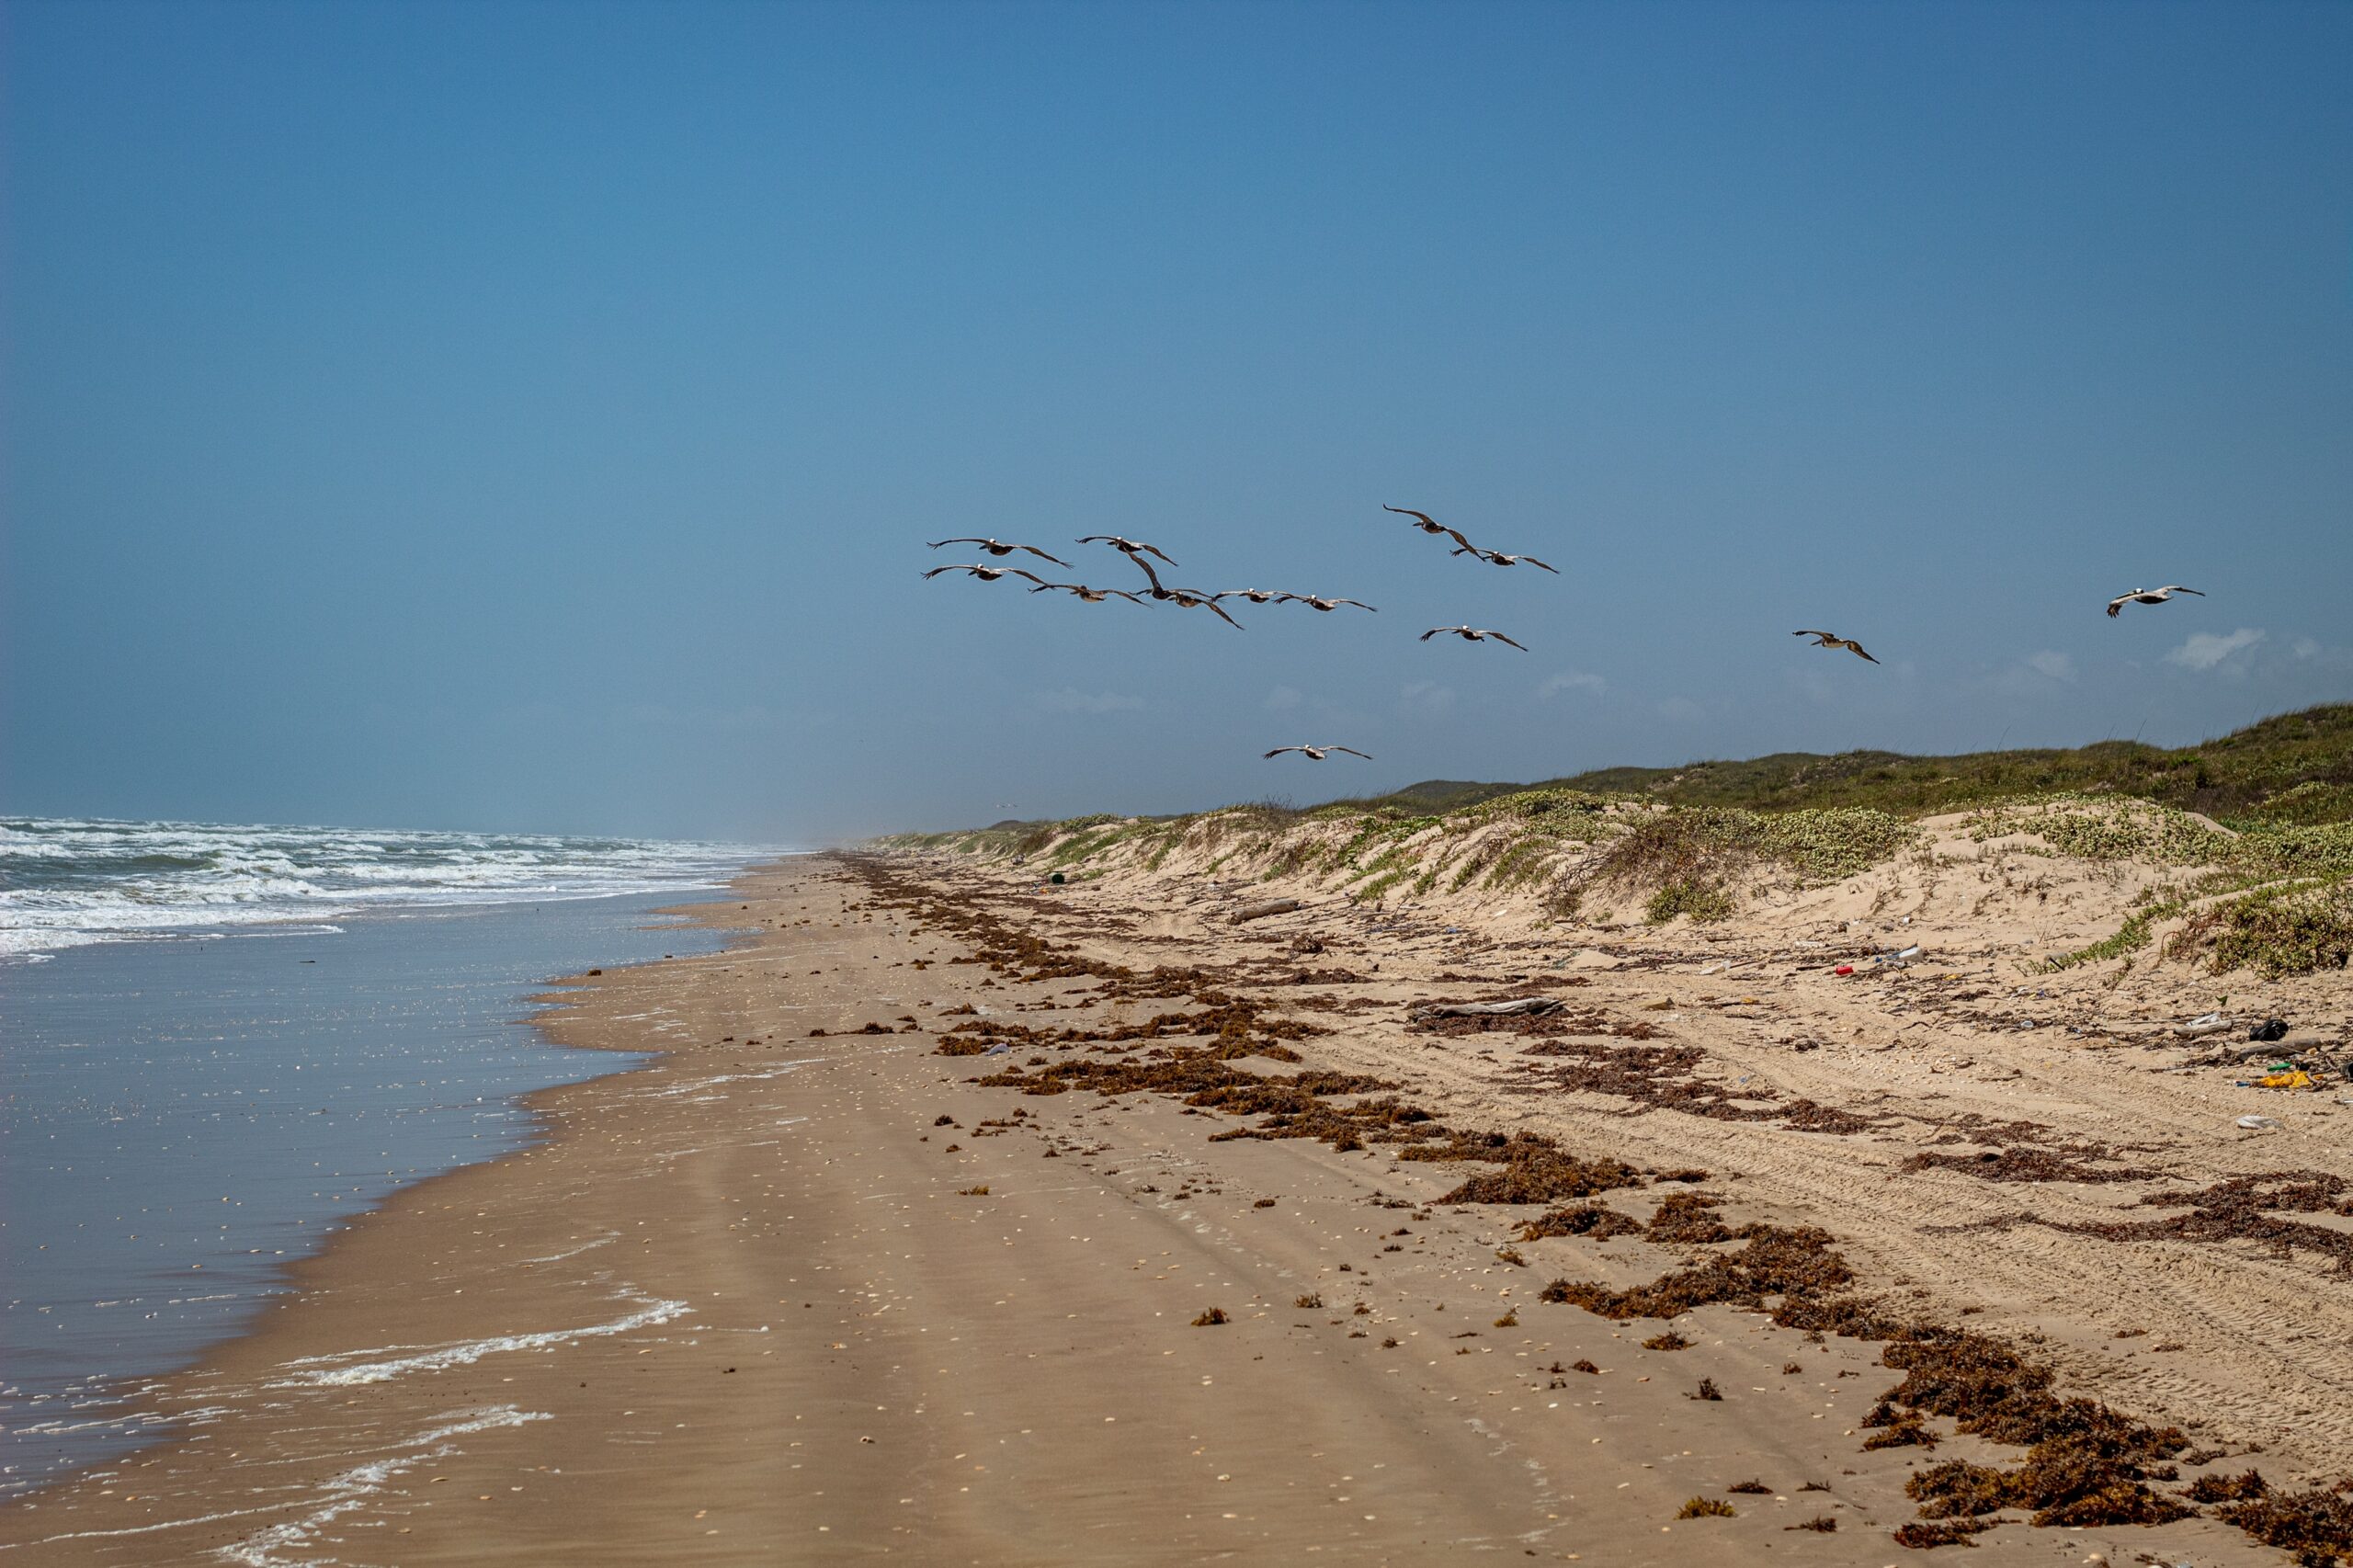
{"x":2053,"y":664}
{"x":1070,"y":699}
{"x":2205,"y":650}
{"x":1573,"y":680}
{"x":2305,"y":648}
{"x":1426,"y":697}
{"x":1283,"y":699}
{"x":1681,"y":707}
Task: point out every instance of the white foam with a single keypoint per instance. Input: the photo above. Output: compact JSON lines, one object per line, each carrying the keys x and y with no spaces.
{"x":71,"y":882}
{"x":319,"y":1371}
{"x":353,"y":1487}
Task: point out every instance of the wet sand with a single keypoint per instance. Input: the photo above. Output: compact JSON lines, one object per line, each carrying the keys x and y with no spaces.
{"x":790,"y":1296}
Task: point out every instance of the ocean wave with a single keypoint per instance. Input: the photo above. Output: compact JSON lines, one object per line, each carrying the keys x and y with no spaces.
{"x":68,"y":883}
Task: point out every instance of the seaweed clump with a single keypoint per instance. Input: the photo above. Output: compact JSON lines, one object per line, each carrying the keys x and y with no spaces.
{"x":1535,"y":1169}
{"x":1597,"y":1222}
{"x":2316,"y":1523}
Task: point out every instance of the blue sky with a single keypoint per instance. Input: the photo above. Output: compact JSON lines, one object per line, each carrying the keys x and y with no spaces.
{"x":530,"y":416}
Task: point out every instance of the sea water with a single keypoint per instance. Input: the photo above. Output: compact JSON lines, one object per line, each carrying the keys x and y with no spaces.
{"x":217,"y":1044}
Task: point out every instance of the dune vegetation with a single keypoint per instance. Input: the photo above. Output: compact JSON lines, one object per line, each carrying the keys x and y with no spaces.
{"x":2241,"y":846}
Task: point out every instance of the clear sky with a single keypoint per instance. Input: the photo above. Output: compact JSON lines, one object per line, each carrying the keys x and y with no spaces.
{"x":531,"y":415}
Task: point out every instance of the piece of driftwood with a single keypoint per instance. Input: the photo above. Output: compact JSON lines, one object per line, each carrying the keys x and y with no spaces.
{"x":1261,"y":911}
{"x":1517,"y":1004}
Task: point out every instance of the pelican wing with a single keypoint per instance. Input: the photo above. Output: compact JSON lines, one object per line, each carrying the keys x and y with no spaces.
{"x":1533,"y":561}
{"x":1019,"y":572}
{"x":1855,"y":648}
{"x":2118,"y":604}
{"x":2178,"y":588}
{"x":1042,"y":555}
{"x":1219,"y":610}
{"x":1433,"y":631}
{"x":1409,"y":511}
{"x":1280,"y":750}
{"x":937,"y":543}
{"x":1351,"y":751}
{"x":937,"y":570}
{"x":1826,"y":636}
{"x":1501,"y":638}
{"x":1358,"y":603}
{"x":1155,"y":551}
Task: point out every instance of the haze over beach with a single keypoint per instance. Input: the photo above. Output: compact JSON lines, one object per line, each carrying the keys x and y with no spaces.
{"x":1629,"y":727}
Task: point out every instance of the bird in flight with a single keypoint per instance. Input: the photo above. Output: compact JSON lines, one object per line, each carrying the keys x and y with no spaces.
{"x":1134,"y":549}
{"x":987,"y":573}
{"x":1256,"y":595}
{"x":1187,"y":598}
{"x":1470,"y":634}
{"x":1497,"y":557}
{"x":998,"y":547}
{"x":1092,"y":595}
{"x":1316,"y":754}
{"x":1831,"y":640}
{"x":1428,"y":524}
{"x":2147,"y":597}
{"x":1315,"y":601}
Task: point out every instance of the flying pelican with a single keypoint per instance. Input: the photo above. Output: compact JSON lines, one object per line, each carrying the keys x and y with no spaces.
{"x":987,"y":573}
{"x":1256,"y":595}
{"x":1188,"y":598}
{"x":998,"y":547}
{"x":1830,"y":639}
{"x":1428,"y":524}
{"x":2147,"y":597}
{"x":1470,"y":634}
{"x":1092,"y":595}
{"x":1497,"y":557}
{"x":1316,"y":754}
{"x":1134,"y":549}
{"x":1316,"y":602}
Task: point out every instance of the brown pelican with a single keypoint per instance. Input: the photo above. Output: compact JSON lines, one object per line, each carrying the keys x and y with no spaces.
{"x":1315,"y":602}
{"x":1316,"y":754}
{"x":987,"y":573}
{"x":1830,"y":639}
{"x":1188,"y":598}
{"x":998,"y":547}
{"x":1092,"y":595}
{"x":1428,"y":524}
{"x":2147,"y":597}
{"x":1470,"y":634}
{"x":1256,"y":595}
{"x":1134,"y":549}
{"x":1497,"y":557}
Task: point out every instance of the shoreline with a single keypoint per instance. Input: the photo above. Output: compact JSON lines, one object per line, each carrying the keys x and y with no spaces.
{"x":422,"y":1398}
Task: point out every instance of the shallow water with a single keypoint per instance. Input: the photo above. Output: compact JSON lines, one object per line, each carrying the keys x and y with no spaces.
{"x":179,"y":1119}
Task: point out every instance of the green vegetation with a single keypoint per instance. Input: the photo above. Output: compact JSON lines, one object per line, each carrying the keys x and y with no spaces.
{"x":2297,"y":767}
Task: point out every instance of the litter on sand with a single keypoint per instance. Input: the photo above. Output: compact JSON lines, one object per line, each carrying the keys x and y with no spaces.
{"x":2204,"y":1024}
{"x":1517,"y":1004}
{"x":2256,"y":1123}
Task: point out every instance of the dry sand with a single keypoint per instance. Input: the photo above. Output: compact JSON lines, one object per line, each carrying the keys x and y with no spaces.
{"x":750,"y":1303}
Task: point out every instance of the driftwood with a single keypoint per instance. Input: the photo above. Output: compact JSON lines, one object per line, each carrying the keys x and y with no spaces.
{"x":1529,"y":1005}
{"x":1261,"y":911}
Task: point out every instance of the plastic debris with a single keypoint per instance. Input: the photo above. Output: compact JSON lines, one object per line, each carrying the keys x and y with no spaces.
{"x":2270,"y":1028}
{"x":2204,"y":1024}
{"x":1844,"y":969}
{"x":2256,"y":1123}
{"x":1519,"y":1004}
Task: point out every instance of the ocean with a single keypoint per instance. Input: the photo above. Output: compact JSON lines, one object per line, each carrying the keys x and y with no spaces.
{"x":218,"y":1043}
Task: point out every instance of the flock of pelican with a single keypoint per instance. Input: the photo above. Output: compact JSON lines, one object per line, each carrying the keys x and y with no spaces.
{"x":1142,"y":555}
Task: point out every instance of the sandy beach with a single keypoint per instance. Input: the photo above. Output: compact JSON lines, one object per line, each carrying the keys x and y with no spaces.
{"x":805,"y":1288}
